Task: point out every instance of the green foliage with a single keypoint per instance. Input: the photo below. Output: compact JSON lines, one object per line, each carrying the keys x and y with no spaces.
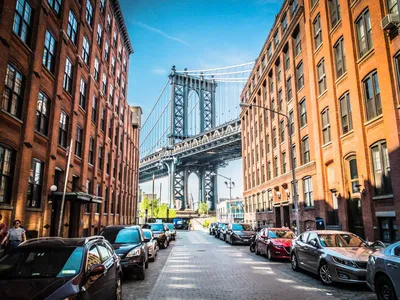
{"x":162,"y":212}
{"x":206,"y":223}
{"x":159,"y":210}
{"x":203,"y":208}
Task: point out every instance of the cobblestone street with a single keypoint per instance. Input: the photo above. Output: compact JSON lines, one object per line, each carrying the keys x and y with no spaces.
{"x":198,"y":266}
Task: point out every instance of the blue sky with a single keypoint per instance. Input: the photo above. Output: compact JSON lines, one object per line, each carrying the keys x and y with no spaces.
{"x":193,"y":34}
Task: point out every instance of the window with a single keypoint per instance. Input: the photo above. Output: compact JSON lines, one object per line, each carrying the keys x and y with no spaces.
{"x":389,"y":232}
{"x":353,"y":172}
{"x":68,"y":75}
{"x":82,"y":94}
{"x":280,"y":100}
{"x":364,"y":33}
{"x":23,"y":20}
{"x":269,"y":174}
{"x":110,"y":127}
{"x":78,"y":141}
{"x":72,"y":27}
{"x":101,"y":153}
{"x":397,"y":65}
{"x":115,"y":37}
{"x":104,"y":87}
{"x":99,"y":34}
{"x":91,"y":151}
{"x":321,"y":76}
{"x":85,"y":50}
{"x":96,"y":74}
{"x":273,"y":108}
{"x":294,"y":156}
{"x":89,"y":13}
{"x":111,"y":95}
{"x":34,"y":194}
{"x":317,"y":32}
{"x":284,"y":24}
{"x":13,"y":92}
{"x":124,"y":64}
{"x":276,"y":165}
{"x":55,"y":5}
{"x":372,"y":95}
{"x":284,"y":163}
{"x":282,"y":130}
{"x":7,"y":157}
{"x":303,"y":113}
{"x":305,"y":147}
{"x":269,"y":52}
{"x":286,"y":54}
{"x":274,"y":141}
{"x":291,"y":122}
{"x":297,"y":42}
{"x":103,"y":119}
{"x":381,"y":169}
{"x":42,"y":114}
{"x":393,"y":7}
{"x":308,"y":192}
{"x":49,"y":52}
{"x":299,"y":76}
{"x":106,"y":51}
{"x":102,"y":5}
{"x":326,"y":126}
{"x":289,"y":89}
{"x":63,"y":130}
{"x":108,"y":162}
{"x":94,"y":109}
{"x":334,"y":12}
{"x":106,"y":200}
{"x":268,"y":144}
{"x":276,"y":39}
{"x":108,"y":23}
{"x":340,"y":57}
{"x":270,"y":201}
{"x":313,"y":2}
{"x":113,"y":65}
{"x":345,"y":113}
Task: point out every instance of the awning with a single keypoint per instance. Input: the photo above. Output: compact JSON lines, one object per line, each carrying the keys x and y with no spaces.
{"x":78,"y":196}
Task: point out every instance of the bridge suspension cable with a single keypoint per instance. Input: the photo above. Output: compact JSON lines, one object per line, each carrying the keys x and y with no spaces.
{"x":216,"y":69}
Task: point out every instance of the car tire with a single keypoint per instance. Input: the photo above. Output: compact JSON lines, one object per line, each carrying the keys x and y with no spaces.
{"x":146,"y":264}
{"x":269,"y":254}
{"x":294,"y":262}
{"x":384,"y":289}
{"x":165,"y":244}
{"x":141,"y":275}
{"x":118,"y":288}
{"x":152,"y":259}
{"x":232,"y":241}
{"x":325,"y":274}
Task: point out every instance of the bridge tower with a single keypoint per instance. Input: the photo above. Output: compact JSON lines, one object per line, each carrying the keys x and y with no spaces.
{"x":182,"y":85}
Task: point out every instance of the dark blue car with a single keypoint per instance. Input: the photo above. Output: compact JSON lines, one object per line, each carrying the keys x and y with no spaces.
{"x":60,"y":268}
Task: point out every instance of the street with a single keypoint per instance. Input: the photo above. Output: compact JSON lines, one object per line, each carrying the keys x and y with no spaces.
{"x":198,"y":266}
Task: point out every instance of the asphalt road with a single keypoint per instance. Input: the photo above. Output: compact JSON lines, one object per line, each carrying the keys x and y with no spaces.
{"x":198,"y":266}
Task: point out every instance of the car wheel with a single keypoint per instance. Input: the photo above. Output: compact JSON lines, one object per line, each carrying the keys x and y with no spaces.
{"x":232,"y":241}
{"x":146,"y":265}
{"x":165,"y":244}
{"x":269,"y":254}
{"x":294,"y":263}
{"x":141,"y":275}
{"x":152,"y":259}
{"x":257,"y":251}
{"x":118,"y":289}
{"x":384,"y":289}
{"x":325,"y":274}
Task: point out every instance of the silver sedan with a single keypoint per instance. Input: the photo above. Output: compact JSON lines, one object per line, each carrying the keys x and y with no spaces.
{"x":335,"y":256}
{"x":151,"y":244}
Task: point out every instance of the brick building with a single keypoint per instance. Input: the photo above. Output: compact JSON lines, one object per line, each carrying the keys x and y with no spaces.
{"x":63,"y":77}
{"x":330,"y":67}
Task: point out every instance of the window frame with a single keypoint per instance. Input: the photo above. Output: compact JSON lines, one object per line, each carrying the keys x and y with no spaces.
{"x":340,"y":57}
{"x":299,"y":76}
{"x":334,"y":12}
{"x":78,"y":141}
{"x":42,"y":116}
{"x":63,"y":132}
{"x":317,"y":31}
{"x":68,"y":75}
{"x":308,"y":192}
{"x":346,"y":120}
{"x":72,"y":27}
{"x":6,"y":177}
{"x":23,"y":27}
{"x":321,"y":73}
{"x":376,"y":103}
{"x":85,"y":50}
{"x":14,"y":91}
{"x":384,"y":163}
{"x":35,"y":184}
{"x":89,"y":13}
{"x":49,"y":52}
{"x":325,"y":126}
{"x":367,"y":45}
{"x":83,"y":94}
{"x":303,"y":112}
{"x":305,"y":150}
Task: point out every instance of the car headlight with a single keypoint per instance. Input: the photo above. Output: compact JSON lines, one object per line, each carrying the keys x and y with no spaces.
{"x":134,"y":252}
{"x":345,"y":262}
{"x":277,"y":246}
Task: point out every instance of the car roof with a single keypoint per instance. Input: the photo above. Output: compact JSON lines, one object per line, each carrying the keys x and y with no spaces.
{"x":122,"y":226}
{"x":328,"y":232}
{"x":59,"y":242}
{"x":277,"y":228}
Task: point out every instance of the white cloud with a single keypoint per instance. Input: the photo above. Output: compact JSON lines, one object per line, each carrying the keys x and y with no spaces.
{"x":159,"y":71}
{"x":170,"y":37}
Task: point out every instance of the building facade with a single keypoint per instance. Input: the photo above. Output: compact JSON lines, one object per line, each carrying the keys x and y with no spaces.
{"x":334,"y":71}
{"x":230,"y":210}
{"x":63,"y":83}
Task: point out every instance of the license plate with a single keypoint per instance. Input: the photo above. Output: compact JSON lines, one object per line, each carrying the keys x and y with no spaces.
{"x":246,"y":240}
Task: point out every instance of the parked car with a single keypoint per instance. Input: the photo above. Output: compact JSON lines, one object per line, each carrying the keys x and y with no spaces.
{"x":212,"y":228}
{"x":130,"y":244}
{"x":172,"y":231}
{"x":383,"y":272}
{"x":152,"y":244}
{"x":222,"y":232}
{"x":61,"y":268}
{"x":181,"y":223}
{"x":335,"y":256}
{"x":218,"y":229}
{"x":239,"y":233}
{"x":274,"y":242}
{"x":161,"y":233}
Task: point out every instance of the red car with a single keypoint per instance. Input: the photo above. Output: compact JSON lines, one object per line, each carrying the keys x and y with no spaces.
{"x":274,"y":242}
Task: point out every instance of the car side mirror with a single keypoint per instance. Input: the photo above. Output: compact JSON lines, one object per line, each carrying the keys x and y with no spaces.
{"x":263,"y":236}
{"x":97,"y":269}
{"x":146,"y":240}
{"x":313,"y":243}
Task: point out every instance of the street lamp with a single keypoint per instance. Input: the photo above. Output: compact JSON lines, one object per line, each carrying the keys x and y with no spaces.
{"x":230,"y":185}
{"x":53,"y":189}
{"x":295,"y":200}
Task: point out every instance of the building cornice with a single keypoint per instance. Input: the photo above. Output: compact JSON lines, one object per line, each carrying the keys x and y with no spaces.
{"x":121,"y":24}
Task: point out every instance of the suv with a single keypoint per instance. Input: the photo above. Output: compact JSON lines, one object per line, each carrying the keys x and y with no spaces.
{"x":161,"y":233}
{"x":239,"y":233}
{"x":61,"y":268}
{"x":130,"y":244}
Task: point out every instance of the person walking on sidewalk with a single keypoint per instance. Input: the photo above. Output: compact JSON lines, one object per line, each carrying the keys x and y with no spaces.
{"x":15,"y":235}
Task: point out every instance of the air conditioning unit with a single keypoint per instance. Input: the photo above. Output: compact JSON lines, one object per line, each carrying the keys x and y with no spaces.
{"x":390,"y":22}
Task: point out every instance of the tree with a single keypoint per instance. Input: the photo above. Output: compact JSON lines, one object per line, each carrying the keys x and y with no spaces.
{"x":147,"y":204}
{"x":203,"y":208}
{"x":162,"y":212}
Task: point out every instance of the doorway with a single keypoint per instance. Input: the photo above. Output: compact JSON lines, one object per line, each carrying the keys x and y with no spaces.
{"x":356,"y":224}
{"x":278,"y":221}
{"x":74,"y":219}
{"x":286,"y":216}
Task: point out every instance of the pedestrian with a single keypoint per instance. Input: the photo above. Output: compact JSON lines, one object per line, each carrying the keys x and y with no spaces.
{"x":15,"y":235}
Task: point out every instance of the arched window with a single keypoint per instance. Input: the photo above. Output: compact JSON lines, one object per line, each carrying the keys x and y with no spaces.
{"x":352,"y":173}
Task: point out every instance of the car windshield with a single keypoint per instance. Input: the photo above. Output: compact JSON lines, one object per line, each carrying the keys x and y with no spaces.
{"x":171,"y":226}
{"x":24,"y":262}
{"x":239,"y":227}
{"x":220,"y":225}
{"x":341,"y":240}
{"x":121,"y":236}
{"x":157,"y":227}
{"x":147,"y":234}
{"x":281,"y":234}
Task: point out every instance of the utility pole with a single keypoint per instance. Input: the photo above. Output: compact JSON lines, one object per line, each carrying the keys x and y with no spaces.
{"x":152,"y":198}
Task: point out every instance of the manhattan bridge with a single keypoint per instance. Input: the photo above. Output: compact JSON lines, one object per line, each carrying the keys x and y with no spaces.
{"x":193,"y":127}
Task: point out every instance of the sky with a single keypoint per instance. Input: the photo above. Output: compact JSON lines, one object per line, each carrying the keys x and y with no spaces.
{"x":193,"y":34}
